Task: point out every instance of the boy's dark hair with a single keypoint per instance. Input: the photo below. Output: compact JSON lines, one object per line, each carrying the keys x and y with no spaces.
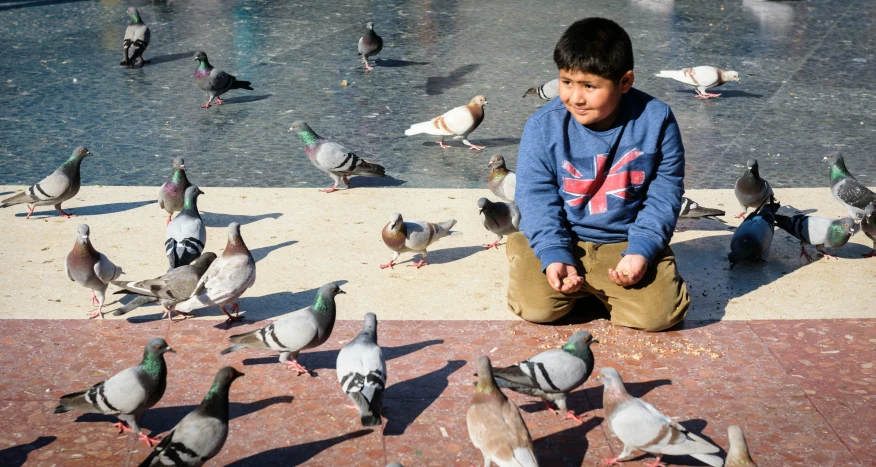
{"x":595,"y":45}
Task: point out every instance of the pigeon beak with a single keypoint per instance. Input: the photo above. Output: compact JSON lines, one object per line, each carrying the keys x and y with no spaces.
{"x":594,"y":341}
{"x":200,"y":192}
{"x":481,"y":211}
{"x":239,"y":374}
{"x":599,"y":378}
{"x":825,"y":159}
{"x":340,"y":291}
{"x":170,"y":349}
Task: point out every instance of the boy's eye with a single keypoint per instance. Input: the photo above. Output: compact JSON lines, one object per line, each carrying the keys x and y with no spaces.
{"x":589,"y":86}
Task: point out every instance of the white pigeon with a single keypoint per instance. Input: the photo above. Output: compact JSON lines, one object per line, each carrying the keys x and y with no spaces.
{"x":641,"y":426}
{"x":701,"y":77}
{"x":458,"y":122}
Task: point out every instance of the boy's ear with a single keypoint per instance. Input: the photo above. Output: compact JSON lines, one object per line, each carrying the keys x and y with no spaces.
{"x":626,"y":81}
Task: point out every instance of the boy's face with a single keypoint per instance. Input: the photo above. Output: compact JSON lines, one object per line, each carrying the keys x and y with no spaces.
{"x":591,"y":99}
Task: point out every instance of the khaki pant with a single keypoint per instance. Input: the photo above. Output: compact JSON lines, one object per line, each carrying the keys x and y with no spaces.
{"x":657,"y":302}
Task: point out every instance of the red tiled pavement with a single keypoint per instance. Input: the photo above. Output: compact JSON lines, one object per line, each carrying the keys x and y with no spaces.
{"x":800,"y":389}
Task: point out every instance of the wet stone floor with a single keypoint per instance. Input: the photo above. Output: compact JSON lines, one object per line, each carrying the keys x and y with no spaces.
{"x":801,"y":390}
{"x":805,"y":68}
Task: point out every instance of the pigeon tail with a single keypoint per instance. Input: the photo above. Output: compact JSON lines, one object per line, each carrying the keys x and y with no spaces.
{"x":74,"y":401}
{"x":233,"y":348}
{"x":242,"y":85}
{"x":370,"y":420}
{"x":133,"y":304}
{"x":20,"y":198}
{"x":246,"y":340}
{"x":369,"y":169}
{"x":427,"y":127}
{"x":714,"y":461}
{"x":674,"y":74}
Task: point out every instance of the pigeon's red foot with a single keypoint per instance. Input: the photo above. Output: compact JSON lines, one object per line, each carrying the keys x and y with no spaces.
{"x":30,"y":211}
{"x":95,"y":315}
{"x":123,"y":427}
{"x":548,"y":406}
{"x":571,"y":416}
{"x":611,"y":461}
{"x":150,"y":441}
{"x":297,"y":367}
{"x":741,"y":215}
{"x":205,"y":106}
{"x":828,"y":256}
{"x":492,"y":245}
{"x":706,"y":95}
{"x":330,"y":189}
{"x":871,"y":254}
{"x":804,"y":253}
{"x":218,"y":101}
{"x":390,"y":264}
{"x":368,"y":67}
{"x":94,"y":300}
{"x":476,"y":147}
{"x":346,"y":182}
{"x":419,"y":264}
{"x":443,"y":146}
{"x":656,"y":463}
{"x":65,"y":215}
{"x":168,"y":220}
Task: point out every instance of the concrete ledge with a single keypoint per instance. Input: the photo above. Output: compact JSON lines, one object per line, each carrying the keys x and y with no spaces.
{"x":302,"y":238}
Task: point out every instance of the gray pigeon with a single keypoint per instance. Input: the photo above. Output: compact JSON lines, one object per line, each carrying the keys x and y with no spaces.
{"x":751,"y":190}
{"x":416,"y":236}
{"x":553,"y":374}
{"x":868,"y":225}
{"x":186,"y":235}
{"x":200,"y":435}
{"x":495,"y":426}
{"x":226,"y":279}
{"x":303,"y":329}
{"x":737,"y":453}
{"x":215,"y":82}
{"x":90,"y":269}
{"x":369,"y":45}
{"x":458,"y":122}
{"x":362,"y":372}
{"x":546,"y":91}
{"x":818,"y":231}
{"x":136,"y":39}
{"x":641,"y":426}
{"x":499,"y":218}
{"x":503,"y":182}
{"x":752,"y":239}
{"x":846,"y":189}
{"x":127,"y":394}
{"x":690,"y":209}
{"x":172,"y":194}
{"x":58,"y":187}
{"x":332,"y":158}
{"x":170,"y":288}
{"x":394,"y":464}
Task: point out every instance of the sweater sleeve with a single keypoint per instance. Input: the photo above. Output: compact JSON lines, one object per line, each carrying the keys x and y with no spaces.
{"x":543,"y":220}
{"x":653,"y":227}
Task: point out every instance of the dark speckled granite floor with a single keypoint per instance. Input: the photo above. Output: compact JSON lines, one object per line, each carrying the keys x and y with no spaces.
{"x":805,"y":90}
{"x":802,"y":391}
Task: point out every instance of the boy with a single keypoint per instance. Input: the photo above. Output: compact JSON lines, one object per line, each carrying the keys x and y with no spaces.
{"x":599,"y":183}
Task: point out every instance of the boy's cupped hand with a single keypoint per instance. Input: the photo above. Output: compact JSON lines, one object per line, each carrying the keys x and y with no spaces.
{"x":563,"y":277}
{"x":629,"y":270}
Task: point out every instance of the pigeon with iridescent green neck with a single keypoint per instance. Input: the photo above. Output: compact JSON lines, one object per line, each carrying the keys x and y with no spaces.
{"x":306,"y":328}
{"x":818,"y":231}
{"x":58,"y":187}
{"x":90,"y":268}
{"x":846,"y":189}
{"x":553,"y":374}
{"x":186,"y":235}
{"x":332,"y":158}
{"x":215,"y":82}
{"x":200,"y":435}
{"x":868,"y":225}
{"x":172,"y":194}
{"x":127,"y":394}
{"x":136,"y":39}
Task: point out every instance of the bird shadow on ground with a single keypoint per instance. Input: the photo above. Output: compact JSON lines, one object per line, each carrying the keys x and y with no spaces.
{"x":16,"y":456}
{"x":4,"y":193}
{"x":212,"y":219}
{"x":260,"y":253}
{"x":327,"y":359}
{"x":405,"y":401}
{"x":245,"y":99}
{"x":393,"y":63}
{"x":696,"y":427}
{"x":702,"y":224}
{"x":109,"y":208}
{"x":488,"y":142}
{"x":171,"y":57}
{"x":556,"y":445}
{"x":726,"y":93}
{"x":449,"y":255}
{"x":438,"y":84}
{"x":297,"y":454}
{"x":387,"y":180}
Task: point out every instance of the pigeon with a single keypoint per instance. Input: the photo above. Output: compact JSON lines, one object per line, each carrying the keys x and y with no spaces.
{"x":332,"y":158}
{"x":495,"y":426}
{"x":752,"y":239}
{"x":170,"y":288}
{"x":690,"y":209}
{"x":58,"y":187}
{"x":362,"y":372}
{"x":186,"y":235}
{"x":503,"y":182}
{"x":215,"y":82}
{"x":552,"y":374}
{"x":394,"y":464}
{"x":127,"y":394}
{"x":369,"y":45}
{"x":416,"y":236}
{"x":90,"y":269}
{"x":818,"y":231}
{"x":546,"y":91}
{"x":639,"y":425}
{"x":851,"y":193}
{"x":737,"y":454}
{"x":499,"y":218}
{"x":200,"y":435}
{"x":303,"y":329}
{"x":225,"y":280}
{"x":701,"y":77}
{"x":868,"y":225}
{"x":172,"y":194}
{"x":459,"y":122}
{"x":751,"y":190}
{"x":136,"y":39}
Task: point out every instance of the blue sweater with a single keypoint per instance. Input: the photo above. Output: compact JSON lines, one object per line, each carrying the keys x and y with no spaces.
{"x":622,"y":184}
